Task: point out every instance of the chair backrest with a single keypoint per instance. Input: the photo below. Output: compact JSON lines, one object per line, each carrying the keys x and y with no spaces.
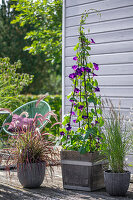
{"x":30,"y":107}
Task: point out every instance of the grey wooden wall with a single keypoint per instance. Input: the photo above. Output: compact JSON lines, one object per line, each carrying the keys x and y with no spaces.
{"x":113,"y":51}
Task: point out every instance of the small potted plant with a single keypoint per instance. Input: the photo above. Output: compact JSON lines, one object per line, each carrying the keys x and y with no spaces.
{"x":32,"y":152}
{"x":30,"y":149}
{"x":117,"y":143}
{"x":82,"y":168}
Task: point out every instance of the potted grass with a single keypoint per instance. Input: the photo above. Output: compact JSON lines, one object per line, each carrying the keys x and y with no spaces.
{"x":32,"y":153}
{"x":117,"y":142}
{"x":82,"y":168}
{"x":31,"y":150}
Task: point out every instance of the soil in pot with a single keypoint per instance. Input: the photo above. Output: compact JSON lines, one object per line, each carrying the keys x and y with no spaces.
{"x":31,"y":175}
{"x":116,"y":183}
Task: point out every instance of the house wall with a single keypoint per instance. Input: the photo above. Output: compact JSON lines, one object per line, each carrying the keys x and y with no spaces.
{"x":113,"y":51}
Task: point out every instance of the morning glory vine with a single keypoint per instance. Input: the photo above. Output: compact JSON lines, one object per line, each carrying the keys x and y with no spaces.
{"x":85,"y":110}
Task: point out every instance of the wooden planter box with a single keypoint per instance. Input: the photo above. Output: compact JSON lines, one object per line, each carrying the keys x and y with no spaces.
{"x":82,"y":171}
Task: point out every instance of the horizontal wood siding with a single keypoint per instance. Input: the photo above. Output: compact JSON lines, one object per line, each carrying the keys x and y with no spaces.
{"x":105,"y":37}
{"x":113,"y":51}
{"x":107,"y":15}
{"x":107,"y":26}
{"x":109,"y":69}
{"x":98,"y":5}
{"x":113,"y":47}
{"x":110,"y":58}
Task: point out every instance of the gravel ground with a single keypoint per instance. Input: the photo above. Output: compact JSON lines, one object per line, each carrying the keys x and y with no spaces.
{"x":10,"y":189}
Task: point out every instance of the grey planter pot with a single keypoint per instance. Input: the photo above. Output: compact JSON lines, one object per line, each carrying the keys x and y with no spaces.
{"x":31,"y":175}
{"x":116,"y":183}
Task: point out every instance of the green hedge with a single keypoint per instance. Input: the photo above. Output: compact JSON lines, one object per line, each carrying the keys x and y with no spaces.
{"x":53,"y":100}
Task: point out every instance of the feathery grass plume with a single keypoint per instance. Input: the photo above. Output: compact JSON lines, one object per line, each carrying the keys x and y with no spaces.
{"x":117,"y":140}
{"x":32,"y":147}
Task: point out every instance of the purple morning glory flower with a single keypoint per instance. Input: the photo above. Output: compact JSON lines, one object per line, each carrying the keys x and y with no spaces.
{"x":72,"y":113}
{"x":71,"y":100}
{"x":74,"y":121}
{"x":92,"y":41}
{"x":84,"y":116}
{"x":97,"y":89}
{"x":96,"y":66}
{"x":81,"y":107}
{"x":87,"y":69}
{"x":98,"y":139}
{"x":75,"y":58}
{"x":78,"y":72}
{"x":74,"y":67}
{"x":74,"y":104}
{"x":82,"y":69}
{"x":72,"y":76}
{"x":96,"y":122}
{"x":94,"y":74}
{"x":62,"y":133}
{"x":76,"y":90}
{"x":68,"y":128}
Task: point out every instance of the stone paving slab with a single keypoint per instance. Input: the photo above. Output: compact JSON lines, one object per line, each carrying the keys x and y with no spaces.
{"x":51,"y":189}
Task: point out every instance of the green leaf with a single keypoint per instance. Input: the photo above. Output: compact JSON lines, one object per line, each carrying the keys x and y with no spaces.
{"x":82,"y":150}
{"x":88,"y":132}
{"x":93,"y":111}
{"x":95,"y":83}
{"x":76,"y":47}
{"x":101,"y":122}
{"x":66,"y":120}
{"x":91,"y":99}
{"x":89,"y":85}
{"x":99,"y":111}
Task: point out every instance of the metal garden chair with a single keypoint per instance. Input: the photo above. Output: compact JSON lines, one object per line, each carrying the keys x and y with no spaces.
{"x":30,"y":107}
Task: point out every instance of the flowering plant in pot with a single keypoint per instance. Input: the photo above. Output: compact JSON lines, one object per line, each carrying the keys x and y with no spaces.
{"x":32,"y":150}
{"x":117,"y":143}
{"x":84,"y":143}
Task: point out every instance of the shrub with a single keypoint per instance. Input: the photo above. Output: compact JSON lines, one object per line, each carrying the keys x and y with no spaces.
{"x":11,"y":84}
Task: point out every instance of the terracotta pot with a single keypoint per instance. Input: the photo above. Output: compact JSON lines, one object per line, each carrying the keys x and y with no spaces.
{"x":116,"y":183}
{"x":31,"y":175}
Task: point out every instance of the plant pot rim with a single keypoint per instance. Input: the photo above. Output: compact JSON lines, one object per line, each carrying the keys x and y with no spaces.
{"x":30,"y":163}
{"x":79,"y":152}
{"x":110,"y":172}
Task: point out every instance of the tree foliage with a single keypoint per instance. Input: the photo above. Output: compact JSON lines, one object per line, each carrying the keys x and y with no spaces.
{"x":11,"y":82}
{"x":45,"y":17}
{"x":47,"y":76}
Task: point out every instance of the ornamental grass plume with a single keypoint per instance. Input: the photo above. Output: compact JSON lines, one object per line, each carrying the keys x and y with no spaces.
{"x":117,"y":140}
{"x":33,"y":147}
{"x":29,"y":145}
